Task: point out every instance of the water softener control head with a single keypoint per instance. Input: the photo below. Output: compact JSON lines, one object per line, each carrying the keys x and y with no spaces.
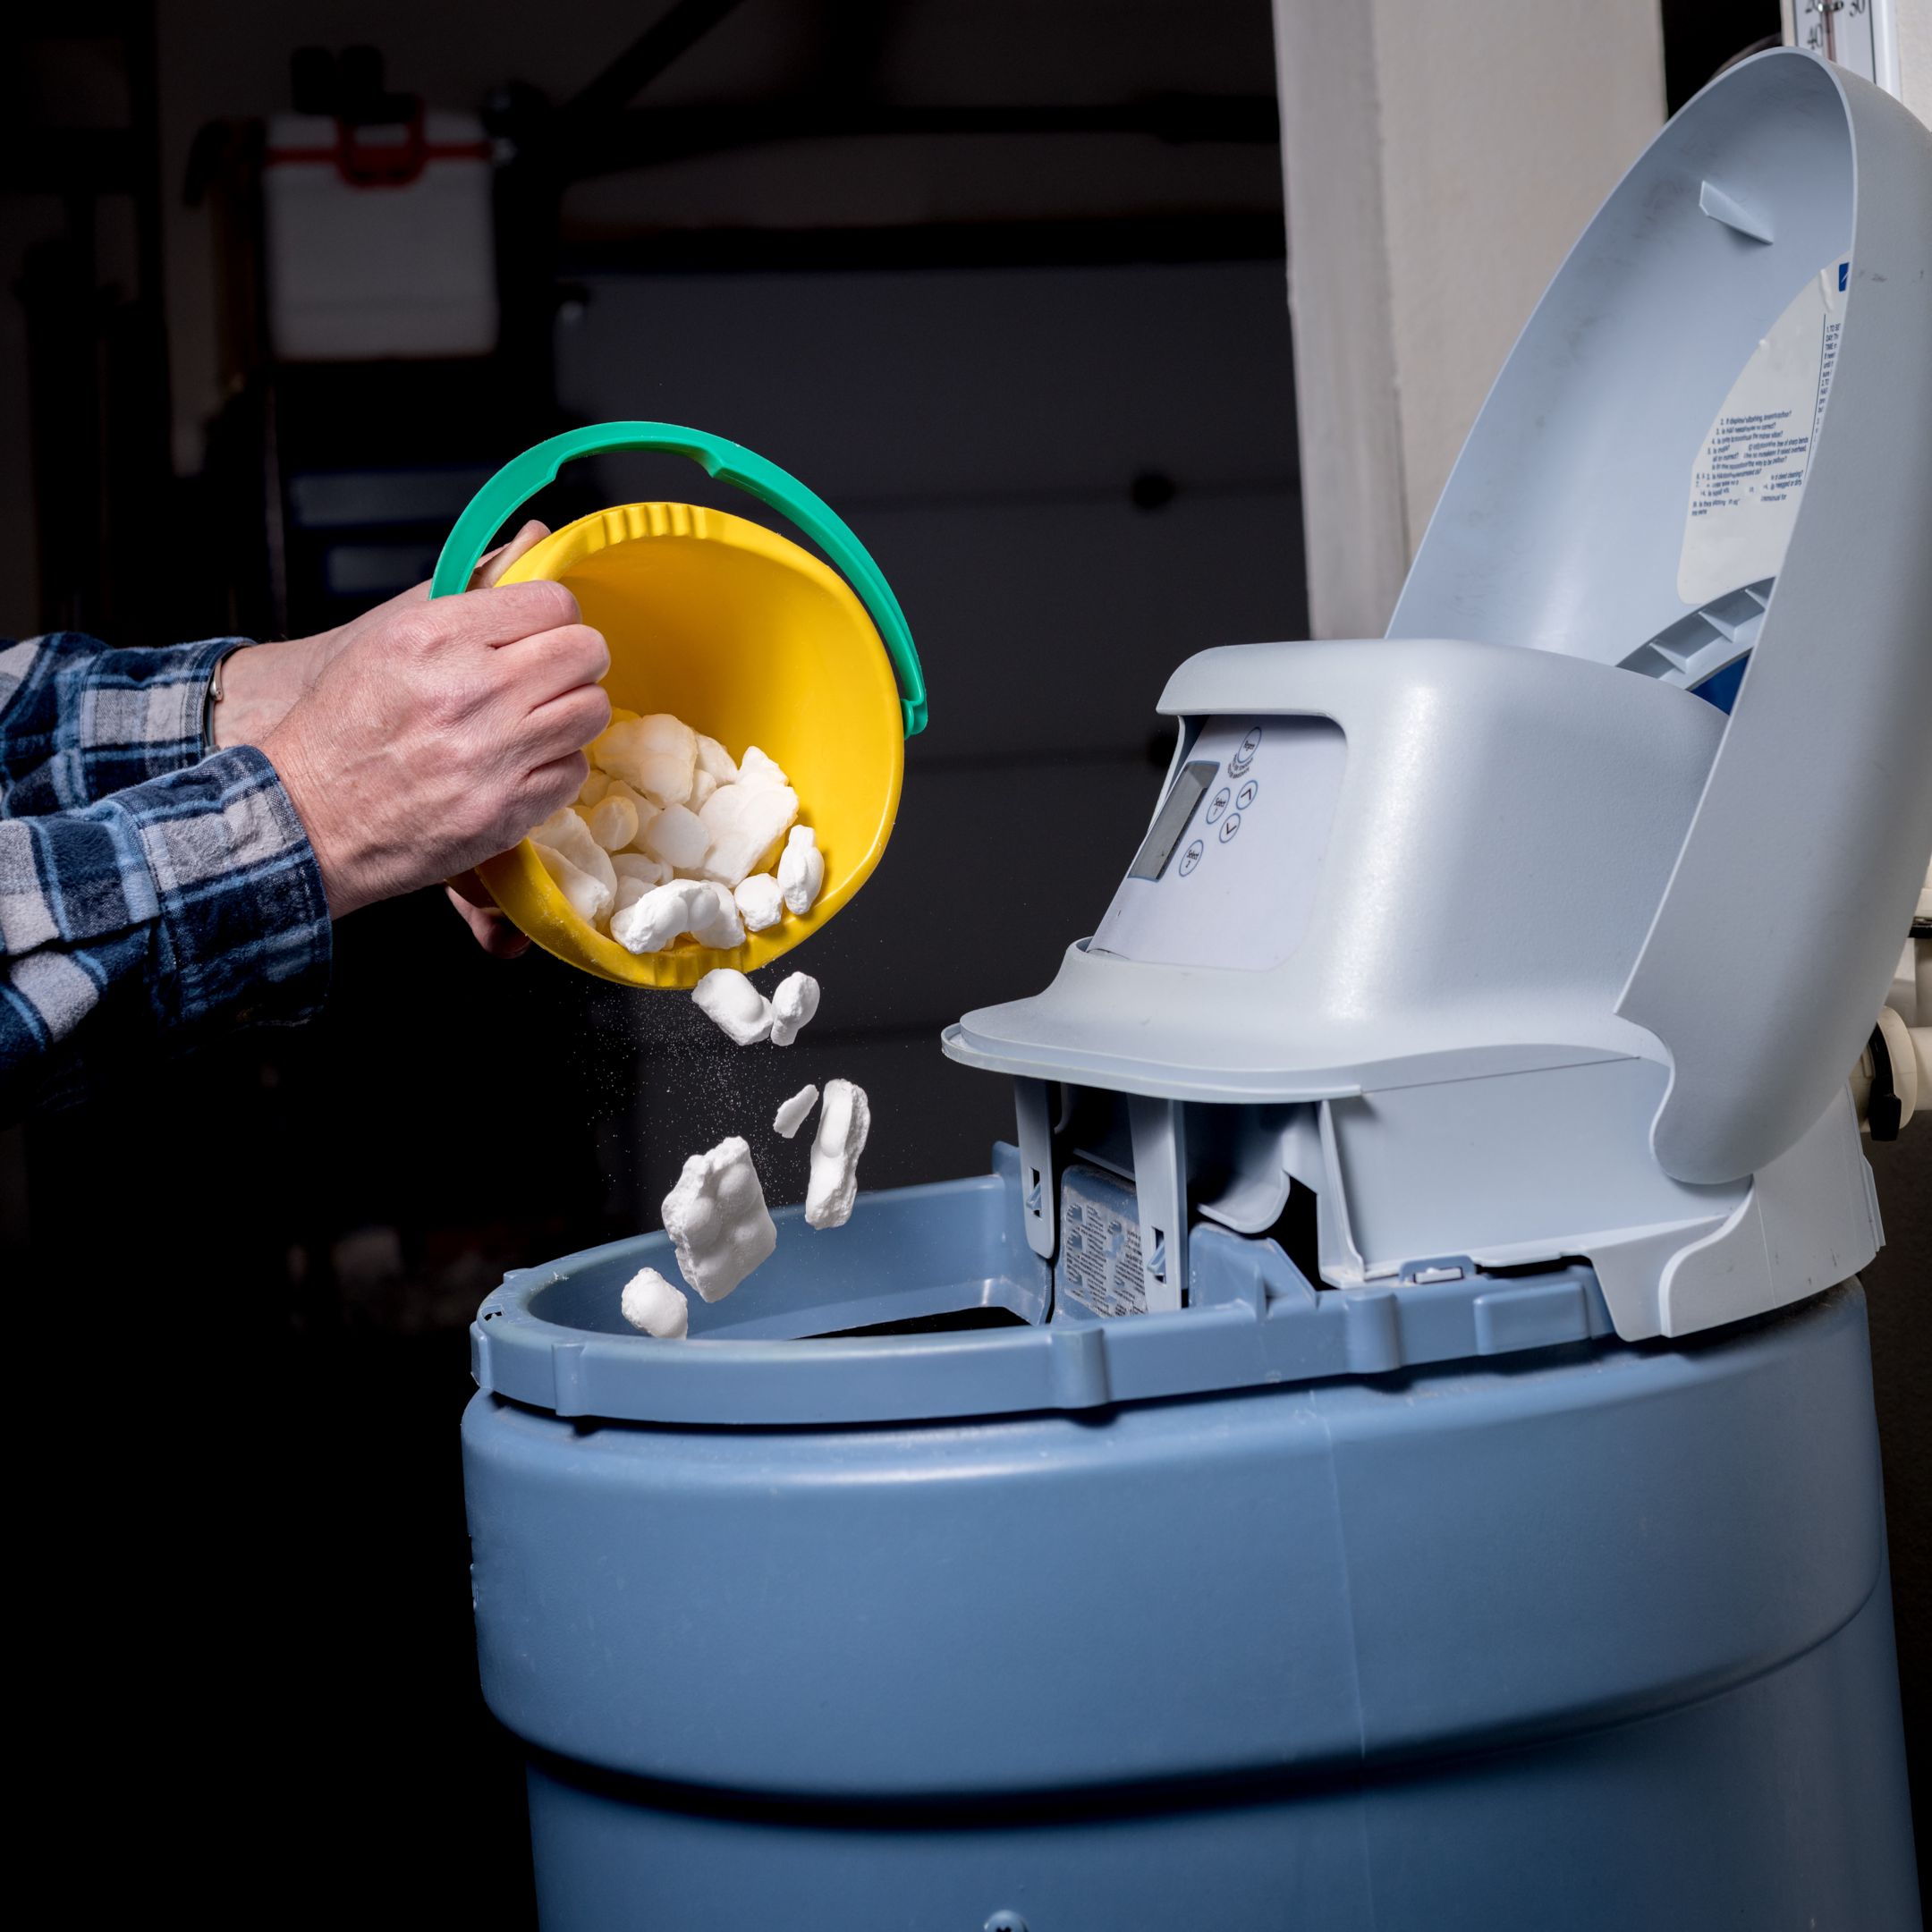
{"x":1548,"y":925}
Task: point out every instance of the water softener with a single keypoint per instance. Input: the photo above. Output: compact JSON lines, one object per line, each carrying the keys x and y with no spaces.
{"x":1424,"y":1473}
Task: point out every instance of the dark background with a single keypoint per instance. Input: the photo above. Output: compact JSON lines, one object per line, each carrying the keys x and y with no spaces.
{"x":1043,"y":368}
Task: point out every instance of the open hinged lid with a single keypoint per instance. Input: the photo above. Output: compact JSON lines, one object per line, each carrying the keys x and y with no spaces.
{"x":1713,"y":442}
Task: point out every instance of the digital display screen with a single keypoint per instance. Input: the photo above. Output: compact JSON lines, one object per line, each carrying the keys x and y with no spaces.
{"x":1228,"y":875}
{"x":1158,"y":847}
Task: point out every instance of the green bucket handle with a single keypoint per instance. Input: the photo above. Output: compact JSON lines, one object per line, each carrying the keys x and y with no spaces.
{"x":523,"y":475}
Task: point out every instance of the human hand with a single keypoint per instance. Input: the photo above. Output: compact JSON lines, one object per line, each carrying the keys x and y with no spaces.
{"x":260,"y":684}
{"x":438,"y":736}
{"x":479,"y":912}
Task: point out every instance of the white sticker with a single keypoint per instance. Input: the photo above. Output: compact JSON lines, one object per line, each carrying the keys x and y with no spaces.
{"x":1749,"y":474}
{"x":1100,"y":1244}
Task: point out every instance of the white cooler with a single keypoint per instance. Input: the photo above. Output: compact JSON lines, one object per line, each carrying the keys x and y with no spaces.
{"x":380,"y":240}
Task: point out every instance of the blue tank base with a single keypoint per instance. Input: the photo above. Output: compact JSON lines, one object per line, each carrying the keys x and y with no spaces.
{"x":1588,"y":1634}
{"x":1779,"y":1803}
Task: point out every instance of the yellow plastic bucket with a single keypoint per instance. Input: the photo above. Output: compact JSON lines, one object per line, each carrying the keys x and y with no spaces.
{"x":744,"y":635}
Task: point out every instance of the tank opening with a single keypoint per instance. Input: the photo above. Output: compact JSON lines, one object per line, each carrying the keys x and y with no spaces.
{"x":955,"y":1321}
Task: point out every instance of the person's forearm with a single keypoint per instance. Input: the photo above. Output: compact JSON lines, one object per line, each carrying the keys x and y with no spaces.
{"x":256,"y":688}
{"x":169,"y":914}
{"x":79,"y":720}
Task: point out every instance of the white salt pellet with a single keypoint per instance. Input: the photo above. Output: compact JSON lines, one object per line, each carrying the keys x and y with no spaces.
{"x":651,"y":1303}
{"x":556,"y":830}
{"x":566,"y":832}
{"x":702,"y":785}
{"x":639,"y":866}
{"x":802,"y":870}
{"x":717,"y":1221}
{"x":589,"y":899}
{"x":651,"y":923}
{"x":594,"y":788}
{"x":715,"y":920}
{"x":678,"y":838}
{"x":844,"y":1122}
{"x":628,"y":892}
{"x":715,"y":761}
{"x":614,"y":823}
{"x":794,"y":1000}
{"x":756,"y":769}
{"x":657,"y":755}
{"x":744,"y":823}
{"x":793,"y":1114}
{"x":737,"y":1005}
{"x":760,"y":903}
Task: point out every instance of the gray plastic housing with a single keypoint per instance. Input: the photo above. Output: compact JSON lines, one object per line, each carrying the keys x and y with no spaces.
{"x":1545,"y":859}
{"x":1561,"y":528}
{"x":1506,"y":824}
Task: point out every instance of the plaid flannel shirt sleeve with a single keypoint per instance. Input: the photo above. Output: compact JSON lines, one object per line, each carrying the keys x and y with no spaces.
{"x":151,"y":898}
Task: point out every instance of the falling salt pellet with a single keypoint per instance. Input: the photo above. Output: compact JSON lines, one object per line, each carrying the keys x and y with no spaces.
{"x":793,"y":1000}
{"x":715,"y":920}
{"x":742,"y":823}
{"x":657,"y":755}
{"x":589,"y":898}
{"x":639,"y":866}
{"x":737,"y":1005}
{"x":802,"y":870}
{"x":793,"y":1114}
{"x":717,"y":1221}
{"x":760,"y":903}
{"x":715,"y":761}
{"x":844,"y":1122}
{"x":755,"y":769}
{"x":614,"y":823}
{"x":678,"y":838}
{"x":651,"y":1303}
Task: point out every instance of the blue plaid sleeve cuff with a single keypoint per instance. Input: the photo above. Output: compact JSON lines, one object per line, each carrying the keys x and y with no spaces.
{"x":79,"y":721}
{"x":152,"y":921}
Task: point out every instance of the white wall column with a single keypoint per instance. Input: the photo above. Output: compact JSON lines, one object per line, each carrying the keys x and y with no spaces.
{"x":1440,"y":161}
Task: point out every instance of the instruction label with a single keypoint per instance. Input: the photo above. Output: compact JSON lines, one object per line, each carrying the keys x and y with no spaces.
{"x":1749,"y":474}
{"x":1100,"y":1244}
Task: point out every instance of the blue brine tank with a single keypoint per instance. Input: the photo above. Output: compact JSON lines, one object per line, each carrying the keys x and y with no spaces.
{"x":1391,"y":1444}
